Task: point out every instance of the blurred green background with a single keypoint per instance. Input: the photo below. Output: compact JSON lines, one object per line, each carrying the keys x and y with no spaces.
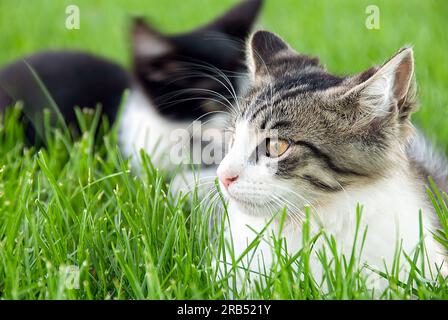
{"x":333,"y":30}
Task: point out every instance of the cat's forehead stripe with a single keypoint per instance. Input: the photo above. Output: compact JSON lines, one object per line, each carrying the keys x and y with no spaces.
{"x":289,"y":88}
{"x":277,"y":96}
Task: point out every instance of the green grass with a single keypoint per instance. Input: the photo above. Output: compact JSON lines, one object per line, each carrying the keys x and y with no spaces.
{"x":76,"y":203}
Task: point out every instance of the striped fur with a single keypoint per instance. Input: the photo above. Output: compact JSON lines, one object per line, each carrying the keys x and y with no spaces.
{"x":350,"y":142}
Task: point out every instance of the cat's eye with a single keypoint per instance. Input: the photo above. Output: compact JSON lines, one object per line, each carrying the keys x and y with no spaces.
{"x":276,"y":147}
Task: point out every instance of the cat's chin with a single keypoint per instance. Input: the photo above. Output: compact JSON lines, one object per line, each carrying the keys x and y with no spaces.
{"x":251,"y":208}
{"x":247,"y":205}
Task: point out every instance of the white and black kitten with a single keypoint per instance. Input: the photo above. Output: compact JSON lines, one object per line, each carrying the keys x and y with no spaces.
{"x":172,"y":78}
{"x":304,"y":137}
{"x":181,"y":78}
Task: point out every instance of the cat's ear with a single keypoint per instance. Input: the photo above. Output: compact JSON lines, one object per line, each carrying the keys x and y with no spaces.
{"x":389,"y":89}
{"x":238,"y":21}
{"x":147,"y":42}
{"x":262,"y":48}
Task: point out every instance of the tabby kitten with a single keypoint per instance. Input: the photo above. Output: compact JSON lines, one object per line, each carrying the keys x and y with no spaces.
{"x":303,"y":137}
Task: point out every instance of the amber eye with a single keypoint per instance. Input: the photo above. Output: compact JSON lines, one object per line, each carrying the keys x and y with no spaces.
{"x":275,"y":148}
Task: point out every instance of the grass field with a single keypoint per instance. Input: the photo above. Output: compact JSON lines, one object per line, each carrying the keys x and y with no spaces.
{"x":73,"y":205}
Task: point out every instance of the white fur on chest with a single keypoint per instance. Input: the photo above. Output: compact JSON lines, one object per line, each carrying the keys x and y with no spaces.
{"x":142,"y":127}
{"x":390,"y":210}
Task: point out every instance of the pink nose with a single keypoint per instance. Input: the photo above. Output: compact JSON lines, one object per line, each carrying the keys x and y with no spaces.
{"x":227,"y":181}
